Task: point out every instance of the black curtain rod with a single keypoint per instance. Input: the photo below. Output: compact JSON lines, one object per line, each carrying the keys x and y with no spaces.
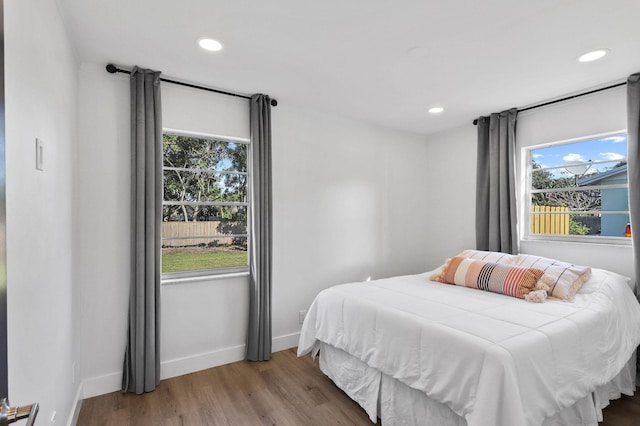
{"x":475,"y":122}
{"x":112,"y":69}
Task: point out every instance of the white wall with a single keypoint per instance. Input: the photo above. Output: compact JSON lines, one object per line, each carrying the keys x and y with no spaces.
{"x":588,"y":115}
{"x":451,"y":193}
{"x":102,"y":199}
{"x":40,"y":102}
{"x":350,"y":201}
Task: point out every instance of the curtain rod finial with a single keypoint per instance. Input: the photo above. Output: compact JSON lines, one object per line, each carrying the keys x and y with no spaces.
{"x":111,"y":69}
{"x":274,"y":102}
{"x":475,"y":122}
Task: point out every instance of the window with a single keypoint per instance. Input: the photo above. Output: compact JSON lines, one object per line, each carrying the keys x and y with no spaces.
{"x":578,"y":190}
{"x":204,"y":215}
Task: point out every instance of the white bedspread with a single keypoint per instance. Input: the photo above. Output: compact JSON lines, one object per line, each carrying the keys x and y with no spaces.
{"x":491,"y":358}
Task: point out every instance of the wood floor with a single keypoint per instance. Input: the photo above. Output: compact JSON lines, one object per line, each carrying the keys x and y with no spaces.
{"x":623,"y":412}
{"x":284,"y":391}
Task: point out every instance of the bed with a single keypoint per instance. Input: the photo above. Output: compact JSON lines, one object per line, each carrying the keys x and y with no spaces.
{"x":410,"y":350}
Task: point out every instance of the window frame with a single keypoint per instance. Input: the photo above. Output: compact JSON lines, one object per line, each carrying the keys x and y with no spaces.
{"x":526,"y":215}
{"x":212,"y":273}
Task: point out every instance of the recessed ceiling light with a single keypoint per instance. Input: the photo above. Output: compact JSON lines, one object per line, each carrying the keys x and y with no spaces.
{"x":436,"y":110}
{"x":594,"y":55}
{"x":210,"y":44}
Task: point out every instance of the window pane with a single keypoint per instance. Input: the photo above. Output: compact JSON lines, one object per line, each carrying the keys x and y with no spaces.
{"x":199,"y":185}
{"x":215,"y":253}
{"x":545,"y":179}
{"x":201,"y":237}
{"x":217,"y":221}
{"x":610,"y":149}
{"x":569,"y":200}
{"x":604,"y":224}
{"x":217,"y":241}
{"x":571,"y":168}
{"x":201,"y":153}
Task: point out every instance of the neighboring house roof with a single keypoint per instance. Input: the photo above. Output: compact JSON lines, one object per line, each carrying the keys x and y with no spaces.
{"x":590,"y":180}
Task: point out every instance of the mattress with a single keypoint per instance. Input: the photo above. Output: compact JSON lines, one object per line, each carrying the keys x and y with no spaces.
{"x":489,"y":358}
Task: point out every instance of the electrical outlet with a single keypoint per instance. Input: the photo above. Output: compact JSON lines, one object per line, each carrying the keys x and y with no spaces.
{"x":301,"y":316}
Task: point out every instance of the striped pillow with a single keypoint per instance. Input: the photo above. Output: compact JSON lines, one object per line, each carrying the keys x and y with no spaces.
{"x":500,"y":278}
{"x":564,"y":279}
{"x":490,"y":256}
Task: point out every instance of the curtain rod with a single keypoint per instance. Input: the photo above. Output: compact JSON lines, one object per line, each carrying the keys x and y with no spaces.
{"x":112,"y":69}
{"x":475,"y":122}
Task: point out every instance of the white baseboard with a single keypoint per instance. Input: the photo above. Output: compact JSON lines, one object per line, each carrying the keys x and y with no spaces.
{"x":287,"y":341}
{"x":193,"y":363}
{"x":75,"y":409}
{"x":108,"y":383}
{"x":99,"y":385}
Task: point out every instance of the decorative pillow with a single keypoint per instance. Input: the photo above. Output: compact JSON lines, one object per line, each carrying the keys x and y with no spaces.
{"x":489,"y":256}
{"x":563,"y":279}
{"x":495,"y":277}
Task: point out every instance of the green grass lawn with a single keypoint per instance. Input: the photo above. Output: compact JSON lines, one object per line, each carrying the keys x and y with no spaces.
{"x":176,"y":262}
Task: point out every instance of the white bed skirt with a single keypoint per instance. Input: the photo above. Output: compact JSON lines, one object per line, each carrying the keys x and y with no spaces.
{"x":397,"y":404}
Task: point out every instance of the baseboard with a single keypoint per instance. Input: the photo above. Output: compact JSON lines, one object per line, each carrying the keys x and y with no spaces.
{"x":287,"y":341}
{"x":75,"y":409}
{"x":193,"y":363}
{"x":108,"y":383}
{"x":100,"y":385}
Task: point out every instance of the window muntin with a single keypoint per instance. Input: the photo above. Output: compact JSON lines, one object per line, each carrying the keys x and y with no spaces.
{"x":578,"y":190}
{"x":205,"y":205}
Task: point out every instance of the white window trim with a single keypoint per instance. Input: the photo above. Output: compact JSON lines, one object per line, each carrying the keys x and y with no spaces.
{"x":203,"y":135}
{"x":203,"y":275}
{"x":196,"y":275}
{"x":525,"y":216}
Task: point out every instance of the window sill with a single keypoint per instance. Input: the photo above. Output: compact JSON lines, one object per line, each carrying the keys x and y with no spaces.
{"x":199,"y":278}
{"x":594,"y":240}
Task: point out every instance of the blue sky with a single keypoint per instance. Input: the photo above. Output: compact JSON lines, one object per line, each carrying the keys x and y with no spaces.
{"x":225,"y":163}
{"x":612,"y":148}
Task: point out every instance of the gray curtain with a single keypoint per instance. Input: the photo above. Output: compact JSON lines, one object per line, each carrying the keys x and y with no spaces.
{"x":259,"y":333}
{"x":141,"y":371}
{"x":633,"y":169}
{"x":496,"y":228}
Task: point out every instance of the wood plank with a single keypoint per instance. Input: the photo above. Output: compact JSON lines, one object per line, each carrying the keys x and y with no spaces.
{"x":284,"y":391}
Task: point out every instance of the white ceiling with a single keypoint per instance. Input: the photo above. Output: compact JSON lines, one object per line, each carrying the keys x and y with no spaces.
{"x":351,"y":57}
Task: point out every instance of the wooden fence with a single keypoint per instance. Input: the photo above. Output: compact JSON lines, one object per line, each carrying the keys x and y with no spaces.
{"x":174,"y":233}
{"x":554,"y":223}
